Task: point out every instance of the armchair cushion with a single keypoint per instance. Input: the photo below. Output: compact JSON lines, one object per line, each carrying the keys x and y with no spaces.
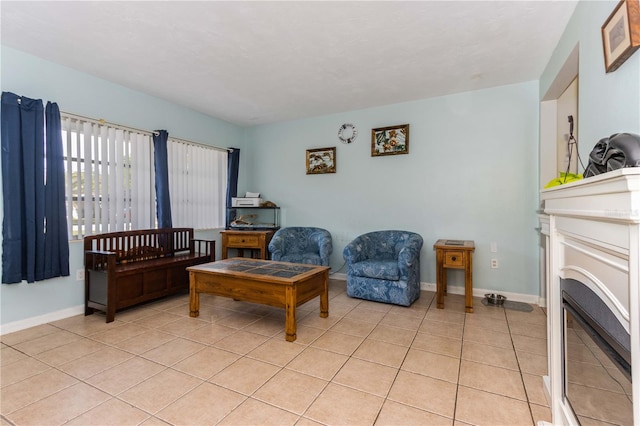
{"x":379,"y":269}
{"x":384,"y":266}
{"x":302,"y":245}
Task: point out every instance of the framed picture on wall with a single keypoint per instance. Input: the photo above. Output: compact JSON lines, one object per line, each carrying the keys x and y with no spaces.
{"x":621,"y":34}
{"x":321,"y":160}
{"x":390,"y":140}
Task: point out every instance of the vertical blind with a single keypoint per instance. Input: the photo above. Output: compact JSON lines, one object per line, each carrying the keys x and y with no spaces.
{"x":197,"y":183}
{"x":108,"y":178}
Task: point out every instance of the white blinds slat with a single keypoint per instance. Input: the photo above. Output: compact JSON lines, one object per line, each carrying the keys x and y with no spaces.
{"x":111,"y":178}
{"x":141,"y":184}
{"x":118,"y":191}
{"x":104,"y":181}
{"x":96,"y":187}
{"x":87,"y":172}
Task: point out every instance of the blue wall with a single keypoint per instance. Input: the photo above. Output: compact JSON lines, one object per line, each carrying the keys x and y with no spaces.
{"x":471,"y":173}
{"x":81,"y":94}
{"x":607,"y":103}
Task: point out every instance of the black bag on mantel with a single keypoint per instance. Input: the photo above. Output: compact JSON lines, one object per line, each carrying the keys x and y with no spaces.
{"x":615,"y":152}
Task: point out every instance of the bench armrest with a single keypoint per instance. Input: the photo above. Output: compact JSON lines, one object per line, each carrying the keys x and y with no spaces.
{"x":98,"y":260}
{"x":204,"y":247}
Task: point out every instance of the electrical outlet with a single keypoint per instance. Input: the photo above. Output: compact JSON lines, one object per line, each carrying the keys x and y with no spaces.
{"x":494,"y":263}
{"x":79,"y":274}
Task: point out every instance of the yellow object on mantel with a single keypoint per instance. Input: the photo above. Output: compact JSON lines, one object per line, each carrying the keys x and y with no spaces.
{"x":564,"y":178}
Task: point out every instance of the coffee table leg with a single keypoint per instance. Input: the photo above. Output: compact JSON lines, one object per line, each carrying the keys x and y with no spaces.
{"x":324,"y":297}
{"x":194,"y":297}
{"x":290,"y":314}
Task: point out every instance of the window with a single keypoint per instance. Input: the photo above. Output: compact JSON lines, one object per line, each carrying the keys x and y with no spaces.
{"x":110,"y":182}
{"x":108,"y":178}
{"x":197,"y":184}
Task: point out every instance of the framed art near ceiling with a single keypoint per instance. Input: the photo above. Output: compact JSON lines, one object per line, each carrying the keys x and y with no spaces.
{"x":390,"y":140}
{"x":321,"y":160}
{"x":621,"y":34}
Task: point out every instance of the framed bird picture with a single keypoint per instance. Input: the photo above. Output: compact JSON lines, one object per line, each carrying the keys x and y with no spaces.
{"x":321,"y":160}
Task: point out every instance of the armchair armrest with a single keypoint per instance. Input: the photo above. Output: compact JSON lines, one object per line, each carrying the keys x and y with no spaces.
{"x":322,"y":239}
{"x":353,"y":252}
{"x":276,"y":247}
{"x":409,"y":255}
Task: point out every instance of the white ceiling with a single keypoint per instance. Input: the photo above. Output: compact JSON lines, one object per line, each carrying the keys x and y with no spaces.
{"x":262,"y":62}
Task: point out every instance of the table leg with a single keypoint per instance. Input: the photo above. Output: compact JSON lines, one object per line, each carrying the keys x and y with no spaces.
{"x":290,"y":314}
{"x":468,"y":284}
{"x":194,"y":297}
{"x":440,"y":275}
{"x":324,"y":297}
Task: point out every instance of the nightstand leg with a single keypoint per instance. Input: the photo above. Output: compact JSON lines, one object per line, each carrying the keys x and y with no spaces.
{"x":440,"y":280}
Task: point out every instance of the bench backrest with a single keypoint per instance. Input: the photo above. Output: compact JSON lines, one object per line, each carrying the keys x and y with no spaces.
{"x":142,"y":244}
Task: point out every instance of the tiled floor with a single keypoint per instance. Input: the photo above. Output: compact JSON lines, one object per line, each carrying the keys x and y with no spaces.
{"x":368,"y":363}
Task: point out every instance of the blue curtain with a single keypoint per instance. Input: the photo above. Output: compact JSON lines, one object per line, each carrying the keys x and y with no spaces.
{"x":161,"y":165}
{"x":233,"y":165}
{"x":24,"y":252}
{"x":56,"y":241}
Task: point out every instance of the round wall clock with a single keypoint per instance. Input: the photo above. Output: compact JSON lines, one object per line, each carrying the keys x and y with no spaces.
{"x":347,"y":133}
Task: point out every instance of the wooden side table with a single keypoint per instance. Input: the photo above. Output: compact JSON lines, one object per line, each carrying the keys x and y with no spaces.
{"x":454,"y":254}
{"x":253,"y":240}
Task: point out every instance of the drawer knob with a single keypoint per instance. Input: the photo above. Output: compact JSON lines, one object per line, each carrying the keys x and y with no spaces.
{"x":453,"y":258}
{"x":243,"y":241}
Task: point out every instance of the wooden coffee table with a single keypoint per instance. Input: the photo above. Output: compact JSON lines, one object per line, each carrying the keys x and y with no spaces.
{"x":281,"y":284}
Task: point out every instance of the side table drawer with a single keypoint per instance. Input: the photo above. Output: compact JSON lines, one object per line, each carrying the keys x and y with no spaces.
{"x":243,"y":241}
{"x":454,"y":258}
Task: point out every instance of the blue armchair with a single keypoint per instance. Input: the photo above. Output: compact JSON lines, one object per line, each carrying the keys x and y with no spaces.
{"x":301,"y":245}
{"x":384,"y":266}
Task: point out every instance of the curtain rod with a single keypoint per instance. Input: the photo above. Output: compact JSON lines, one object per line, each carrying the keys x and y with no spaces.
{"x":146,"y":132}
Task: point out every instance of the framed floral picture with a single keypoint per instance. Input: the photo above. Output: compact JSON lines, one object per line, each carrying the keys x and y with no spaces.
{"x":390,"y":140}
{"x":321,"y":160}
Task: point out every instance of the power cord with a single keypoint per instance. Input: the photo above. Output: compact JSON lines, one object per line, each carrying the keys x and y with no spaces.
{"x":331,"y":273}
{"x":571,"y":144}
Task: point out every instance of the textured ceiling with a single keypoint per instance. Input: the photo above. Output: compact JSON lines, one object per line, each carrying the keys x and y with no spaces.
{"x":262,"y":62}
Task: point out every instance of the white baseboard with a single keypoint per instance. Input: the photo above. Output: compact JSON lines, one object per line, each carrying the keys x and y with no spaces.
{"x":477,"y":292}
{"x":338,"y":276}
{"x":480,"y":292}
{"x":40,"y":319}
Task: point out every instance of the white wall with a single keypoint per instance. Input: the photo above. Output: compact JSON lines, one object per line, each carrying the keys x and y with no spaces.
{"x":471,"y":173}
{"x":607,"y":103}
{"x":85,"y":95}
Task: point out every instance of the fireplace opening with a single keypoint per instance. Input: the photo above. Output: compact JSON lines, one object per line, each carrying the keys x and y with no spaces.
{"x":596,"y":358}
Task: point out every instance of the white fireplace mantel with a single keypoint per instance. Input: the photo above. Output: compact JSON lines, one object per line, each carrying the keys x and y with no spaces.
{"x":593,"y":232}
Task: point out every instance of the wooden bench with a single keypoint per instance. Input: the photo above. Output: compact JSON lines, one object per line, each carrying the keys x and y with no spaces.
{"x":126,"y":268}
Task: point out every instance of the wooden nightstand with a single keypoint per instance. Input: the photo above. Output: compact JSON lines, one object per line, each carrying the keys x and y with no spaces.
{"x":454,"y":254}
{"x":241,"y":240}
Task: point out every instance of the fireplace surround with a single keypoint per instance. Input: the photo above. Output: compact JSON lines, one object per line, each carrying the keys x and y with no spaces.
{"x":592,"y":287}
